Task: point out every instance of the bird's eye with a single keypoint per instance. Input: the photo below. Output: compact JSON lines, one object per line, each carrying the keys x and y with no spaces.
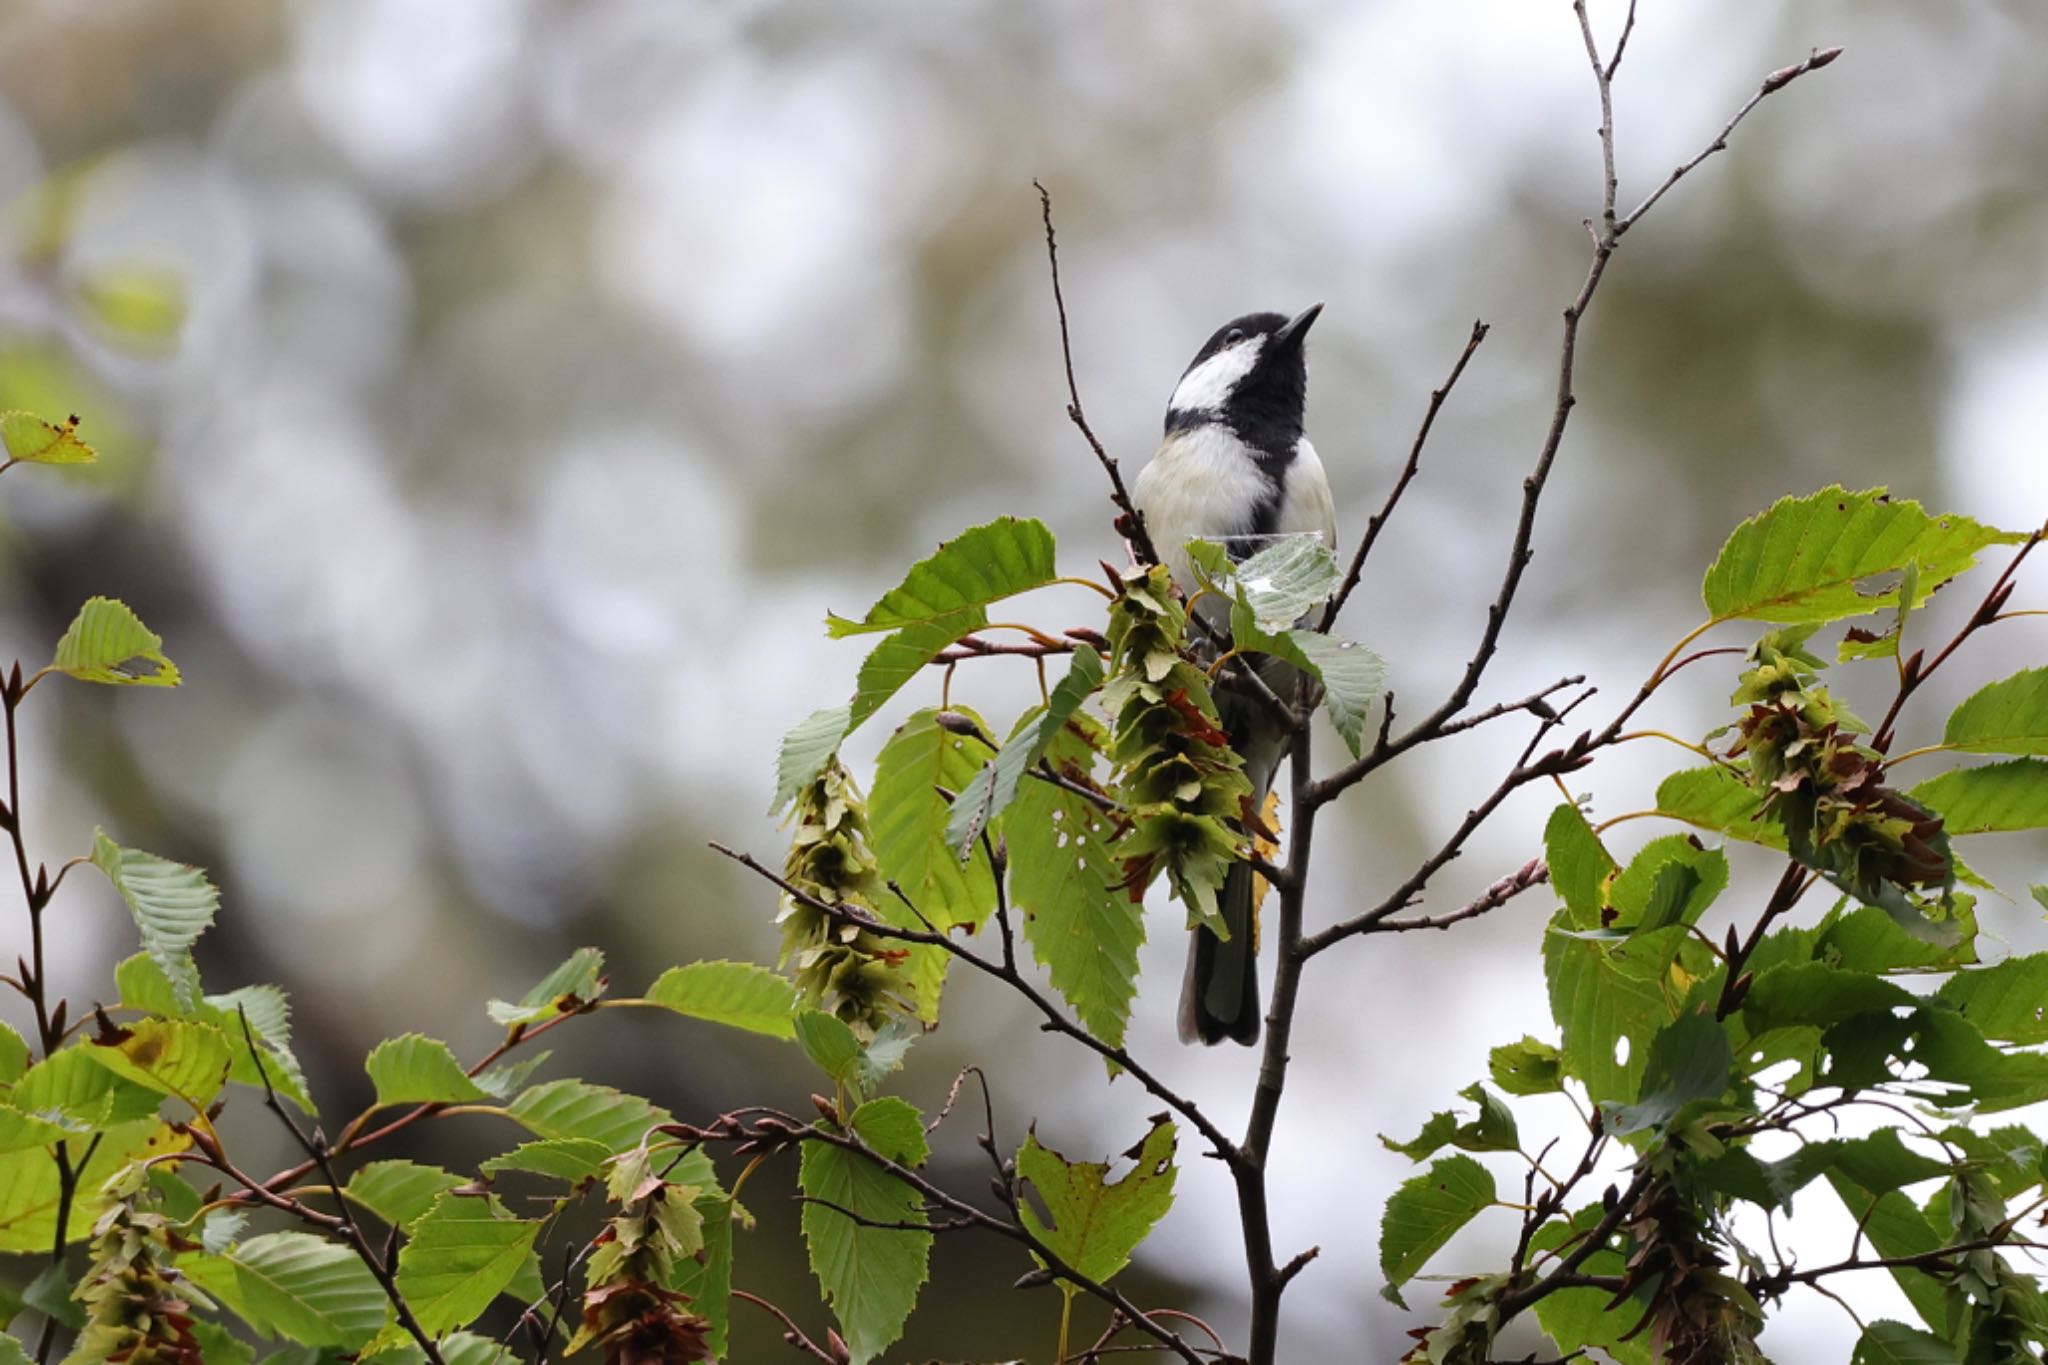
{"x":1233,"y":336}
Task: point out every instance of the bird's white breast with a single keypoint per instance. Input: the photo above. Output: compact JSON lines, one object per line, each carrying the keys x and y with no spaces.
{"x":1204,"y":484}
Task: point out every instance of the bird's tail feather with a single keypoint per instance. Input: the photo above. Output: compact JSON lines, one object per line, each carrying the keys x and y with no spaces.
{"x":1219,"y":997}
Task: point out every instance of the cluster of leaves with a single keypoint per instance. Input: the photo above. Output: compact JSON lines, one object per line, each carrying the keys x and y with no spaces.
{"x":1679,"y":1051}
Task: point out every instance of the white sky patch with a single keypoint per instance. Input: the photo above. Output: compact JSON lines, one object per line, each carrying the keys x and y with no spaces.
{"x":1209,"y":385}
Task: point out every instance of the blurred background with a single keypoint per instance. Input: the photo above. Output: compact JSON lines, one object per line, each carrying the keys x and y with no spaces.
{"x":493,"y":397}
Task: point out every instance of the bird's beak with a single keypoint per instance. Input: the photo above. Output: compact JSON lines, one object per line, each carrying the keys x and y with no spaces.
{"x":1293,"y":332}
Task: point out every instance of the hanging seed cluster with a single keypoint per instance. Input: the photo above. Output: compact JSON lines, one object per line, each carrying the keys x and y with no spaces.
{"x":1177,"y":775}
{"x":841,"y":967}
{"x":138,"y":1307}
{"x":1826,"y":790}
{"x":629,"y":1312}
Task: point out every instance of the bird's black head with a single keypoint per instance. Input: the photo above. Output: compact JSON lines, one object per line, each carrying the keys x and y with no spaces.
{"x":1251,"y":376}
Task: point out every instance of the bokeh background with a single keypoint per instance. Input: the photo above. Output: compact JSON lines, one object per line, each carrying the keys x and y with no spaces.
{"x":495,"y":394}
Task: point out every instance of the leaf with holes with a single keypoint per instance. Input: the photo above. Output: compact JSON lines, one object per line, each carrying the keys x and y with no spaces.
{"x":1091,"y":1222}
{"x":107,"y":643}
{"x":994,"y":787}
{"x":1813,"y":559}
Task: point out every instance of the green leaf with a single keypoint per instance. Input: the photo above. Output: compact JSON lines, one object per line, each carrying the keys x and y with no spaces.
{"x":296,"y":1285}
{"x":29,"y":1189}
{"x":568,"y":989}
{"x":1281,"y":582}
{"x":1492,"y":1130}
{"x":830,"y":1042}
{"x":182,"y":1058}
{"x":13,"y":1055}
{"x":1526,"y":1068}
{"x":107,"y":643}
{"x":172,"y":903}
{"x":572,"y":1159}
{"x":71,"y":1086}
{"x":414,"y":1069}
{"x":737,"y":994}
{"x":1869,"y":940}
{"x":1718,"y":799}
{"x":1689,"y":1061}
{"x":1893,"y":1343}
{"x":1579,"y":1318}
{"x":2007,"y":1001}
{"x":21,"y":1132}
{"x":1955,"y":1052}
{"x":982,"y":564}
{"x":1600,"y":996}
{"x":458,"y":1257}
{"x":1091,"y":1222}
{"x":806,"y":750}
{"x":707,"y":1277}
{"x":1810,"y":559}
{"x":577,"y":1109}
{"x":1999,"y":797}
{"x":1671,"y":880}
{"x":902,"y":656}
{"x":2008,"y":717}
{"x":994,"y":787}
{"x":1424,"y":1213}
{"x":399,"y":1191}
{"x":1804,"y":994}
{"x":1352,"y":676}
{"x":1580,"y":865}
{"x":871,"y":1276}
{"x":1066,"y":881}
{"x":32,"y":440}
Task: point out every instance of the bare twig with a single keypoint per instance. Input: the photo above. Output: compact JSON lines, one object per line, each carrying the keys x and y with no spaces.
{"x":1535,"y":872}
{"x":791,"y":1333}
{"x":1131,"y":521}
{"x":1377,"y":522}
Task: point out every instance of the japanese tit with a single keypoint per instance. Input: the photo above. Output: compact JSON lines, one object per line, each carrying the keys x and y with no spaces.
{"x":1236,"y":466}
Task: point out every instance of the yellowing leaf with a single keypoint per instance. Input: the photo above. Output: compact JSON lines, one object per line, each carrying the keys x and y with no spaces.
{"x":32,"y":440}
{"x":107,"y":643}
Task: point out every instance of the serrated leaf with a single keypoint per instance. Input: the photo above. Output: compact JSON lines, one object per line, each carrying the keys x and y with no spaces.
{"x":1066,"y":881}
{"x":29,"y":1188}
{"x":399,"y":1191}
{"x":907,"y":818}
{"x":994,"y":787}
{"x":1869,"y":940}
{"x":805,"y":751}
{"x":1955,"y":1052}
{"x":1671,"y":880}
{"x":21,"y":1132}
{"x":1689,"y":1060}
{"x":1093,"y":1223}
{"x":1598,"y":1002}
{"x":70,"y":1086}
{"x":32,"y":440}
{"x":982,"y":564}
{"x":1491,"y":1130}
{"x":1352,"y":676}
{"x":902,"y":656}
{"x":458,"y":1257}
{"x":2007,"y":1001}
{"x":577,"y":1109}
{"x":573,"y":986}
{"x":575,"y":1160}
{"x":1580,"y":865}
{"x":1894,"y":1343}
{"x":173,"y":905}
{"x":1996,"y":798}
{"x":415,"y":1069}
{"x":299,"y":1286}
{"x":181,"y":1058}
{"x":707,"y":1277}
{"x":1718,"y":799}
{"x":1282,"y":581}
{"x":2008,"y":717}
{"x":1424,"y":1213}
{"x":1528,"y":1067}
{"x":1812,"y":559}
{"x":739,"y":995}
{"x":107,"y":643}
{"x":871,"y":1276}
{"x":828,"y":1040}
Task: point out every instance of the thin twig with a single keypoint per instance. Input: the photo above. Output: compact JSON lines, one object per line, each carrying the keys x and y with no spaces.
{"x":1377,"y":522}
{"x":1132,"y":521}
{"x":791,"y":1333}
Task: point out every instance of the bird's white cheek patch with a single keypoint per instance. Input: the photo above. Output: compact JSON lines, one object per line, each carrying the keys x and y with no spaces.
{"x":1209,"y":385}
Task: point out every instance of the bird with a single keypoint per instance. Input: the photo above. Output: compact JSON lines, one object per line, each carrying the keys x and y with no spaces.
{"x":1236,"y":466}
